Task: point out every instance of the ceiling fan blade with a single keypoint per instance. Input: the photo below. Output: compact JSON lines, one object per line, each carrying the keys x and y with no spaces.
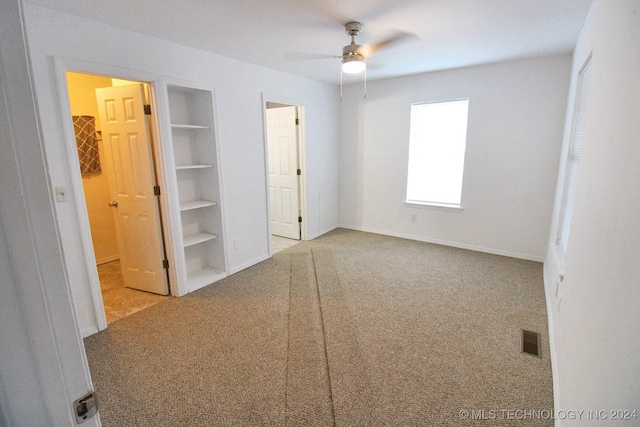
{"x":306,"y":56}
{"x":368,"y":50}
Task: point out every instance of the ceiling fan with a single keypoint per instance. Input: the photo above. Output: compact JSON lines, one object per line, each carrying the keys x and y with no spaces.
{"x":354,"y":56}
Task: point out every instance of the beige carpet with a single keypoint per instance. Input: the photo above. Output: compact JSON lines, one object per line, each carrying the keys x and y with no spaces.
{"x":351,"y":329}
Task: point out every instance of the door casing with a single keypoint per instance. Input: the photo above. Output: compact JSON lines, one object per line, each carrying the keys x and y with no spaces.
{"x":75,"y":188}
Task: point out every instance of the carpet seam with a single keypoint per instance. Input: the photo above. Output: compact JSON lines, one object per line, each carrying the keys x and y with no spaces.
{"x":324,"y":340}
{"x":287,"y":372}
{"x":368,"y":380}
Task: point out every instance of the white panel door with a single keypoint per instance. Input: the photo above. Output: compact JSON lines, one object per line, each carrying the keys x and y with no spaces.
{"x":130,"y":170}
{"x":282,"y":135}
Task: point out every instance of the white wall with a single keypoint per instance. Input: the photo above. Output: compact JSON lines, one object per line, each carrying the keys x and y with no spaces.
{"x":42,"y":363}
{"x":594,"y":331}
{"x":18,"y":375}
{"x":516,"y":116}
{"x":239,"y":89}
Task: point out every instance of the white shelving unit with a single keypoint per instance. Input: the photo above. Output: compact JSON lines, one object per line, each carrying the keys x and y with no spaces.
{"x":199,"y":250}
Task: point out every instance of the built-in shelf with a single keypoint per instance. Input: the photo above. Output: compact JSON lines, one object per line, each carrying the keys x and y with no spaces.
{"x":198,"y":238}
{"x":199,"y":242}
{"x":196,"y":204}
{"x":185,"y":167}
{"x":189,"y":127}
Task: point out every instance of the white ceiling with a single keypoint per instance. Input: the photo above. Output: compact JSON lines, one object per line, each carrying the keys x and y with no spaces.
{"x":289,"y":35}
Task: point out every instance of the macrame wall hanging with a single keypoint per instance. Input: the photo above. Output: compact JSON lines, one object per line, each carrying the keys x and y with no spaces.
{"x":87,"y":142}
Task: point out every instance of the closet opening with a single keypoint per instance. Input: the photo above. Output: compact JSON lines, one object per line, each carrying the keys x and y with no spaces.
{"x":116,"y":142}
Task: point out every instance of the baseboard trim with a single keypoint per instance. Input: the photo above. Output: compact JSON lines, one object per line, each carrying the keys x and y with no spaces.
{"x":321,"y":233}
{"x":517,"y":255}
{"x":234,"y":270}
{"x":89,"y":331}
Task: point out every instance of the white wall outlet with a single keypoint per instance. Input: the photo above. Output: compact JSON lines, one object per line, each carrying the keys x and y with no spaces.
{"x":62,"y":195}
{"x":414,"y":217}
{"x":236,"y":243}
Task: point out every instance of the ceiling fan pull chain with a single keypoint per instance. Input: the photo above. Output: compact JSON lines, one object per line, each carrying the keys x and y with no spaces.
{"x":365,"y":83}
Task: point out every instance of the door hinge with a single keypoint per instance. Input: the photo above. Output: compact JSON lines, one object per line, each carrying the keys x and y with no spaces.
{"x":299,"y":172}
{"x":156,"y":190}
{"x":147,"y":109}
{"x":297,"y":121}
{"x":165,"y":263}
{"x":299,"y":219}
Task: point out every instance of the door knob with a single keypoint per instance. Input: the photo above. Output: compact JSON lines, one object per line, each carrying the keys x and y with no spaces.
{"x":113,"y":204}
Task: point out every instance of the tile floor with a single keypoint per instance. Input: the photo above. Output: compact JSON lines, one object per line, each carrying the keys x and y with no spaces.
{"x":118,"y":300}
{"x":281,"y":243}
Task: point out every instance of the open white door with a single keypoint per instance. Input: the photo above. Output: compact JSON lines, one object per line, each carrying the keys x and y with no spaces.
{"x":282,"y":135}
{"x":130,"y":169}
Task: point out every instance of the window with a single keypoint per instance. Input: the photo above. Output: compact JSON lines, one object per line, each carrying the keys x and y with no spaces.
{"x":436,"y":152}
{"x":573,"y":156}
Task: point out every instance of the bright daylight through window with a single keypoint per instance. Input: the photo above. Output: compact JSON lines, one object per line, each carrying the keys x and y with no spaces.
{"x":436,"y":152}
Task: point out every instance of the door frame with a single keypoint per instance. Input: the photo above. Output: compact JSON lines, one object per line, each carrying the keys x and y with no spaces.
{"x":302,"y":183}
{"x":76,"y":190}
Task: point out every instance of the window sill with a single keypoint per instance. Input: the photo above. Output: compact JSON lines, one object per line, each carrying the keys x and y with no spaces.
{"x":434,"y":206}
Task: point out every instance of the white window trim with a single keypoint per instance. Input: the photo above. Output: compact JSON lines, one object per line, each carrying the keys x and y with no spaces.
{"x":434,"y":206}
{"x":572,"y":158}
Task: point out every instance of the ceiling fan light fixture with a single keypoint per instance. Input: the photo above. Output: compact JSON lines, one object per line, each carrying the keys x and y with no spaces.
{"x":353,"y":64}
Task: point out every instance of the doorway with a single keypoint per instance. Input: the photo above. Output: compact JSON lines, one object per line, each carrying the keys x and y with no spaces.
{"x":117,"y":227}
{"x":284,"y":148}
